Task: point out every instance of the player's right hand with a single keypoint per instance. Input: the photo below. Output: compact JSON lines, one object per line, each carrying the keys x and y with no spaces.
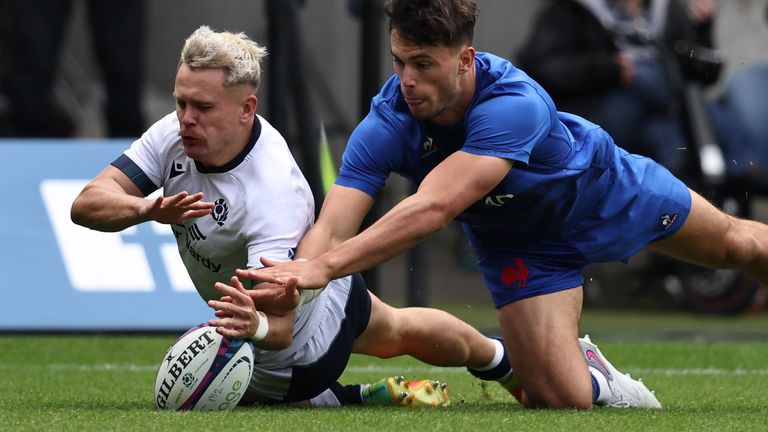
{"x":236,"y":314}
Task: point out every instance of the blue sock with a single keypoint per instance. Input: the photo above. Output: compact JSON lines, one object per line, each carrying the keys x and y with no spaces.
{"x":595,"y":388}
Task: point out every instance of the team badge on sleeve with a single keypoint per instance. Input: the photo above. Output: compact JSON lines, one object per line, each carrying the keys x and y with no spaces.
{"x":667,"y":220}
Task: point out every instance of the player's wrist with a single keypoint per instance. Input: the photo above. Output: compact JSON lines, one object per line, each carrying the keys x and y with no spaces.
{"x":330,"y":267}
{"x":262,"y":328}
{"x":307,"y":295}
{"x":146,"y":209}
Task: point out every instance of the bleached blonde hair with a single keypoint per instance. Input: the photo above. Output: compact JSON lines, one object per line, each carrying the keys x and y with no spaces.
{"x":237,"y":54}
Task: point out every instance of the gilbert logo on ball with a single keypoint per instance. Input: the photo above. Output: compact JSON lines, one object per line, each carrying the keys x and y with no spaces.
{"x":203,"y":370}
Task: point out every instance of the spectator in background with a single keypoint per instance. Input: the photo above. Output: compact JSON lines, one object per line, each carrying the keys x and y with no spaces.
{"x":623,"y":65}
{"x":747,"y":92}
{"x":34,"y":42}
{"x":746,"y":89}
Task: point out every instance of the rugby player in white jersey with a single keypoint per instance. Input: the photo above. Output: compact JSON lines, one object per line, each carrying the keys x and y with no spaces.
{"x":233,"y":193}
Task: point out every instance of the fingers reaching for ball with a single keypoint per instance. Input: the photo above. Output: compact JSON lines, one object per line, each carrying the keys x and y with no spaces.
{"x":236,"y":314}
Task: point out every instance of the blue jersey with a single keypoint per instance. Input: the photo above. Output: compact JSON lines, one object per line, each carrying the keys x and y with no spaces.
{"x":566,"y":197}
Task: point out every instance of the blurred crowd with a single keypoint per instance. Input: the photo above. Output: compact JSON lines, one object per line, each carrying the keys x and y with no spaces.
{"x":33,"y":37}
{"x":631,"y":66}
{"x":626,"y":65}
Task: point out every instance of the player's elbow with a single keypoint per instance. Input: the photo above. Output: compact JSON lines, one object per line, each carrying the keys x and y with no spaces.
{"x":82,"y":213}
{"x":78,"y":212}
{"x":440,"y":214}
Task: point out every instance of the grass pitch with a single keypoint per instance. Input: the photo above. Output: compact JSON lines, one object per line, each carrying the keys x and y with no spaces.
{"x":98,"y":383}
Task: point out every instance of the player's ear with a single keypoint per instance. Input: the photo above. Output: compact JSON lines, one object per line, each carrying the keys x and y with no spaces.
{"x":466,"y":59}
{"x":250,"y":104}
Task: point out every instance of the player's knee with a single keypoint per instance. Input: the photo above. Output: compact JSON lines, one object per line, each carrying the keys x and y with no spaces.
{"x":559,"y":399}
{"x":558,"y":388}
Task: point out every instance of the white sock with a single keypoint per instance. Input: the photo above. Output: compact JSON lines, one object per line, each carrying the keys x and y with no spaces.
{"x":496,"y":357}
{"x":602,"y":385}
{"x":325,"y":399}
{"x":363,"y":387}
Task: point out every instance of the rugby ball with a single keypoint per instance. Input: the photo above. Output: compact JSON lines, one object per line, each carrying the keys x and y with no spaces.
{"x":204,"y":370}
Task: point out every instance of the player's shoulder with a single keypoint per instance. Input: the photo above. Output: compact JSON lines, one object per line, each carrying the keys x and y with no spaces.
{"x":268,"y":134}
{"x":503,"y":85}
{"x":164,"y":130}
{"x":389,"y":117}
{"x":162,"y":137}
{"x":270,"y":149}
{"x":498,"y":76}
{"x":270,"y":160}
{"x":389,"y":102}
{"x":157,"y":146}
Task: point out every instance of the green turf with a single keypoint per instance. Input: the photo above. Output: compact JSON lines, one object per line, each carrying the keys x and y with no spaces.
{"x":98,"y":383}
{"x":637,"y":324}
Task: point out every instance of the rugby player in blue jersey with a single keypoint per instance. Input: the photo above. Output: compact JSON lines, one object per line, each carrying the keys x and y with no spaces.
{"x":540,"y":194}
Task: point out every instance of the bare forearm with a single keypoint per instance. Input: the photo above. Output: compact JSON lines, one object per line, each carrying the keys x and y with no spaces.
{"x":340,"y":219}
{"x":316,"y":242}
{"x":469,"y":177}
{"x":280,"y":333}
{"x":103,"y":209}
{"x":405,"y":225}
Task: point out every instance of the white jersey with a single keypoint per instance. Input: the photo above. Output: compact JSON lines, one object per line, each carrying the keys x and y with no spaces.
{"x":263,"y":206}
{"x":262,"y":203}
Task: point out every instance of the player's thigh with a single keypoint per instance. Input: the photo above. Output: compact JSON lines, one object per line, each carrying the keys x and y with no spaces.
{"x":541,"y":334}
{"x":706,"y":237}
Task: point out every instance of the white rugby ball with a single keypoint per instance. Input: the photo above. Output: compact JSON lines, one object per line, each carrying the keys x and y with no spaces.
{"x":203,"y":370}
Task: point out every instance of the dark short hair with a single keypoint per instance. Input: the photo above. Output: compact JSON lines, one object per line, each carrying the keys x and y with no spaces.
{"x":433,"y":22}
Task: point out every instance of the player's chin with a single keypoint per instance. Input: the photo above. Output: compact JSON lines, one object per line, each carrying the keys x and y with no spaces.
{"x":191,"y":150}
{"x":424,"y":112}
{"x":195,"y":152}
{"x":418,"y":112}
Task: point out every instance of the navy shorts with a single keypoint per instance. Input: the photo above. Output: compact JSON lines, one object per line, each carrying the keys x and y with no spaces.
{"x":644,"y":203}
{"x":311,"y":380}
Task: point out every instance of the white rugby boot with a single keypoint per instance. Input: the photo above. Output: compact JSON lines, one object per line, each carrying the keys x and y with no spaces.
{"x":625,"y":391}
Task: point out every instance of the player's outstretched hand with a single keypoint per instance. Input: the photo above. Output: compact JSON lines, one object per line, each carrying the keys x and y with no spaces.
{"x":235,"y":311}
{"x":308,"y":274}
{"x":177,"y":208}
{"x":273,"y":298}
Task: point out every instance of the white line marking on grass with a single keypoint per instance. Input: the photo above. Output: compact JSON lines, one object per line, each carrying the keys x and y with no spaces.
{"x":102,"y":367}
{"x":639,"y":371}
{"x":701,"y":372}
{"x":378,"y":369}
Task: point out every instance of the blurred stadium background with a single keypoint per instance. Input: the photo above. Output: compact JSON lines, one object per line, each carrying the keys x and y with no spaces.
{"x":327,"y":58}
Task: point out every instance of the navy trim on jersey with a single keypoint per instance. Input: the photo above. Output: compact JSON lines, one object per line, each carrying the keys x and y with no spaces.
{"x":311,"y":380}
{"x":137,"y":176}
{"x":255,"y":134}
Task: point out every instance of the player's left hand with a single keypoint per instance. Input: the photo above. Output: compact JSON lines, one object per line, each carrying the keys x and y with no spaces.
{"x":306,"y":274}
{"x":236,"y":312}
{"x":273,"y":298}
